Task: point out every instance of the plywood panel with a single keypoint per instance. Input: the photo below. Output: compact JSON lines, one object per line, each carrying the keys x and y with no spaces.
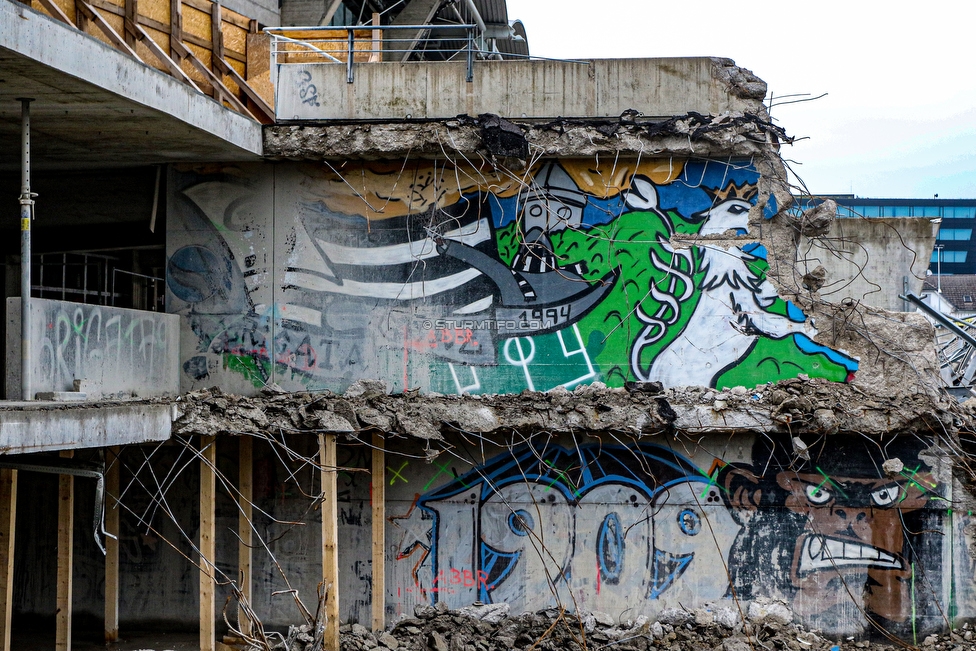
{"x":157,"y":10}
{"x":68,"y":7}
{"x":235,"y":38}
{"x":196,"y":22}
{"x":333,"y":42}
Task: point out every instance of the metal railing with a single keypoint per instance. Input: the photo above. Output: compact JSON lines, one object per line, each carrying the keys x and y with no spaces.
{"x":367,"y":44}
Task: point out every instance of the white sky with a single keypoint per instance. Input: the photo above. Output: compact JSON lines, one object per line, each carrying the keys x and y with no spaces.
{"x":899,"y":119}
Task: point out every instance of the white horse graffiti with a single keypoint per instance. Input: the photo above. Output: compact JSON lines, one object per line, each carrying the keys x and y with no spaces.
{"x":731,"y":313}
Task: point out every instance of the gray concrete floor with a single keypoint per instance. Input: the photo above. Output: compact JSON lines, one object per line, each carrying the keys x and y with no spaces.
{"x":154,"y":641}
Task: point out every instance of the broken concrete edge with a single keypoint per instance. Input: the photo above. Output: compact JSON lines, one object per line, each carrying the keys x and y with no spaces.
{"x":689,"y":135}
{"x":797,"y":406}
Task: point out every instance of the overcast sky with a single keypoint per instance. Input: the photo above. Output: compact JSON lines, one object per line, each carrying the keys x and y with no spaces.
{"x":899,"y":118}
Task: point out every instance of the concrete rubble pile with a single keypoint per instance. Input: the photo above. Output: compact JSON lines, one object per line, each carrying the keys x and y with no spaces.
{"x":767,"y":624}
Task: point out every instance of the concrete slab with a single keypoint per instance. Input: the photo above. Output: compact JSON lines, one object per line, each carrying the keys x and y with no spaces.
{"x":114,"y":352}
{"x":97,"y":106}
{"x":38,"y":427}
{"x":517,"y":89}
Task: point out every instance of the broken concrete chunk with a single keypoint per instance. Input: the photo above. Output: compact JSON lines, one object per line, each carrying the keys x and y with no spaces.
{"x":367,"y":389}
{"x":817,"y":220}
{"x":764,"y":611}
{"x":893,"y":467}
{"x":503,"y":138}
{"x":332,"y":422}
{"x":815,"y":279}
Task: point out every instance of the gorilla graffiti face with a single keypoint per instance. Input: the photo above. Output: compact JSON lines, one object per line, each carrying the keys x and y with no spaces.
{"x":831,"y":534}
{"x":852,"y":547}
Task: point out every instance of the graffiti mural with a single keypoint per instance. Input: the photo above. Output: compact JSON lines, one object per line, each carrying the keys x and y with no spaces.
{"x":847,"y":544}
{"x":116,"y":351}
{"x":640,"y":527}
{"x":459,"y":279}
{"x":598,"y":527}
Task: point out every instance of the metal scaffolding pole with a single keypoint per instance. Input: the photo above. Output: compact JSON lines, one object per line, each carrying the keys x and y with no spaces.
{"x":26,"y":212}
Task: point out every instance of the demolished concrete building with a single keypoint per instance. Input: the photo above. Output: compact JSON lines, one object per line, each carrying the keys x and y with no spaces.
{"x":443,"y":333}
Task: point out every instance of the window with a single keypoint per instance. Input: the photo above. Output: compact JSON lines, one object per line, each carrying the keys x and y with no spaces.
{"x":950,"y":256}
{"x":960,"y":212}
{"x":898,"y":211}
{"x":870,"y":211}
{"x":928,"y":211}
{"x":955,"y":234}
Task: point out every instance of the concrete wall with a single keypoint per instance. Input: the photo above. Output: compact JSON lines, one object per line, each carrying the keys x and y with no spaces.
{"x":454,"y":279}
{"x":533,"y":89}
{"x":119,"y":352}
{"x":607,"y":524}
{"x":870,"y":260}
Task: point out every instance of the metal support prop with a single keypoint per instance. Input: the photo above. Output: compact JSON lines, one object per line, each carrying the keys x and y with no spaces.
{"x":26,"y":211}
{"x":349,"y":51}
{"x":948,"y":322}
{"x":470,"y":55}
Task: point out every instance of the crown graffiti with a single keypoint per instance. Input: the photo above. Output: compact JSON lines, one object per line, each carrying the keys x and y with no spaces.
{"x":745,"y":192}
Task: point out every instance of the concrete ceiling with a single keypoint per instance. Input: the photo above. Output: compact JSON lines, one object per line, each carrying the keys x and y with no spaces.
{"x":97,"y":107}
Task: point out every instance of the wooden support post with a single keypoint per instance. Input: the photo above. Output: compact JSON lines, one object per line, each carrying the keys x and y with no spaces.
{"x":208,"y":493}
{"x":8,"y":519}
{"x":330,"y":536}
{"x":66,"y":510}
{"x":175,"y":27}
{"x":376,"y":53}
{"x":130,"y":22}
{"x":80,"y":20}
{"x":216,"y":37}
{"x":244,"y":549}
{"x":378,"y":496}
{"x":112,"y":546}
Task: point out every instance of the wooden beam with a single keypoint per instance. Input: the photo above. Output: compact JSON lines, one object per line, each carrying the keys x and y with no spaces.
{"x":378,"y":497}
{"x":376,"y":54}
{"x":56,"y":11}
{"x":219,"y":87}
{"x":208,"y":493}
{"x":66,"y":510}
{"x":330,"y":11}
{"x":330,"y":536}
{"x":112,"y":546}
{"x":80,"y":20}
{"x":244,"y":528}
{"x":131,"y":19}
{"x":92,"y":14}
{"x":159,"y":53}
{"x":216,"y":37}
{"x":8,"y":520}
{"x":262,"y":105}
{"x":175,"y":26}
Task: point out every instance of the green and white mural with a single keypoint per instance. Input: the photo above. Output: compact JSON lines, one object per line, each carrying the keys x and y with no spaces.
{"x":462,"y":279}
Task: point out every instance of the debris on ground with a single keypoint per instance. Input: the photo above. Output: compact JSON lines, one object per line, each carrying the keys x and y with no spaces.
{"x":767,"y":625}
